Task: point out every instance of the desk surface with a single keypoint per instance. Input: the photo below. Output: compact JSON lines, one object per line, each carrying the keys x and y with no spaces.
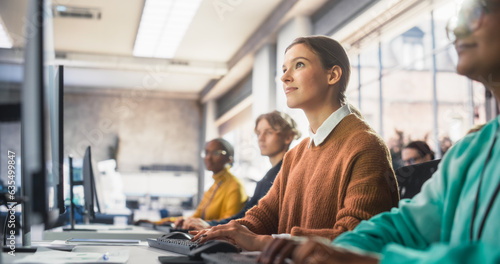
{"x":138,"y":254}
{"x":102,"y":231}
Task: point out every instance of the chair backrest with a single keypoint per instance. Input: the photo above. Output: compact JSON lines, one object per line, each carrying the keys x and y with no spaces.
{"x":410,"y":178}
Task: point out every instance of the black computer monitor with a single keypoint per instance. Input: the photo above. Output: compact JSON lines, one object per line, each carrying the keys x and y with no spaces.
{"x":55,"y":94}
{"x":88,"y":179}
{"x":53,"y":144}
{"x":37,"y":188}
{"x":90,"y":195}
{"x":32,"y":132}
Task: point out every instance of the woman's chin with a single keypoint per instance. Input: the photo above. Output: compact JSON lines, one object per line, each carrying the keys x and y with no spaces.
{"x":291,"y":104}
{"x":465,"y":69}
{"x":470,"y":68}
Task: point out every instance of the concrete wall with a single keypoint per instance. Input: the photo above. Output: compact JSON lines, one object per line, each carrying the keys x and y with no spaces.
{"x":136,"y":130}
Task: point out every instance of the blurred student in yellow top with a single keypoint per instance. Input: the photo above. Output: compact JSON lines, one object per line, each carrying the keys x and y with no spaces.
{"x":226,"y":196}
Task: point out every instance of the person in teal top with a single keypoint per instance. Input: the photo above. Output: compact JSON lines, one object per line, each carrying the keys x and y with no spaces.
{"x":456,"y":216}
{"x":443,"y":223}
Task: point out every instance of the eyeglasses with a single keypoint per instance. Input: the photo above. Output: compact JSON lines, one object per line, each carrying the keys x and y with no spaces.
{"x":214,"y":153}
{"x":410,"y":161}
{"x":468,"y":19}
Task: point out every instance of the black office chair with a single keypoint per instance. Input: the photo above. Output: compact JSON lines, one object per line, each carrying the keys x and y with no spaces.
{"x":410,"y":178}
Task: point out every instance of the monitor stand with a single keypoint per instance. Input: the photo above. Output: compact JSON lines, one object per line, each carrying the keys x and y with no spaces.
{"x":31,"y":249}
{"x":19,"y":249}
{"x":28,"y":247}
{"x":5,"y":200}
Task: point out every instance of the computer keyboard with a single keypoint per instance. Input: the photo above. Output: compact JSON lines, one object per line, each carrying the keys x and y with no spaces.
{"x":192,"y":249}
{"x":181,"y":246}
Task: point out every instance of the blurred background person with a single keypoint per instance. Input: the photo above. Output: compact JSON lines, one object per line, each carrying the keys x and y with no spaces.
{"x":226,"y":196}
{"x":275,"y":131}
{"x":416,"y":152}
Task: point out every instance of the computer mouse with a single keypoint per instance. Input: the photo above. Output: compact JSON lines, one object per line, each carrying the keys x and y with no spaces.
{"x":213,"y":246}
{"x":178,"y":235}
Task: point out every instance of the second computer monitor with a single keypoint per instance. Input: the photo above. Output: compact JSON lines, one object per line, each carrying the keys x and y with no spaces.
{"x":89,"y":185}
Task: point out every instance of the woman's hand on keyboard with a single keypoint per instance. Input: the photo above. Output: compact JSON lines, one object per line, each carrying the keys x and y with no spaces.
{"x":234,"y":233}
{"x":193,"y":223}
{"x":179,"y":222}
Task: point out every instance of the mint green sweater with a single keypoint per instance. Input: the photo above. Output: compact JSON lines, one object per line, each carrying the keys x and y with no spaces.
{"x":434,"y":226}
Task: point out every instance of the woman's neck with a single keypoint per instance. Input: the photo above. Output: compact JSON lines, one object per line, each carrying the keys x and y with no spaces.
{"x":316,"y":117}
{"x":215,"y":172}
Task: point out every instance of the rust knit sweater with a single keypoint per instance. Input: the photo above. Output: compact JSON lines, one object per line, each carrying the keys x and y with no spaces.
{"x":328,"y":189}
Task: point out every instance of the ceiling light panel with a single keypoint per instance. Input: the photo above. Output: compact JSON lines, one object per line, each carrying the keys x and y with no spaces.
{"x":163,"y":25}
{"x":5,"y":40}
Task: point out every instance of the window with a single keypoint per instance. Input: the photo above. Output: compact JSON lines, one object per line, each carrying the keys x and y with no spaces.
{"x":396,"y":75}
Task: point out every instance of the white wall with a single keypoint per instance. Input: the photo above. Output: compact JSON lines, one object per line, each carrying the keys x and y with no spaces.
{"x":297,"y":27}
{"x":263,"y":88}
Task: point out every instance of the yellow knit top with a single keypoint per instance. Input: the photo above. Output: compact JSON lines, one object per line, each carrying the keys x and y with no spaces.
{"x":225,"y":198}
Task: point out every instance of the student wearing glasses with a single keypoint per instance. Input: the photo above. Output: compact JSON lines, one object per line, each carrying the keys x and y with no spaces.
{"x":454,"y":219}
{"x":331,"y":181}
{"x":416,"y":152}
{"x":226,"y":196}
{"x":275,"y":131}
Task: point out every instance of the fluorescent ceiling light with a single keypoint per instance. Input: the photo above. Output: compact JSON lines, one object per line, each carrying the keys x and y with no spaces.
{"x":5,"y":41}
{"x":163,"y":25}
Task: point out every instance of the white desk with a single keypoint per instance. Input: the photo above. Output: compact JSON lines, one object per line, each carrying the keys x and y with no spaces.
{"x":138,"y":254}
{"x":103,"y":231}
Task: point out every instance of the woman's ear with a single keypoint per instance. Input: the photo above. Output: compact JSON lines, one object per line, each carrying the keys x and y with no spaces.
{"x":288,"y":138}
{"x":334,"y":75}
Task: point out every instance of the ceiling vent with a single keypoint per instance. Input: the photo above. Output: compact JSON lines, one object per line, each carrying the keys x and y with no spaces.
{"x":77,"y":12}
{"x":179,"y":62}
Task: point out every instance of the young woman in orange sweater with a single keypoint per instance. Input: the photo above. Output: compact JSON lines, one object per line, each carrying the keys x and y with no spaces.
{"x":332,"y":180}
{"x":454,"y":218}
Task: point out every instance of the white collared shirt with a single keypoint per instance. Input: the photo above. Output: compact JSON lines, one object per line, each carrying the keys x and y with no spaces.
{"x":327,"y":127}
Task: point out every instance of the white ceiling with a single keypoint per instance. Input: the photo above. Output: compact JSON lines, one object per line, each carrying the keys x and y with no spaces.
{"x":98,"y":53}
